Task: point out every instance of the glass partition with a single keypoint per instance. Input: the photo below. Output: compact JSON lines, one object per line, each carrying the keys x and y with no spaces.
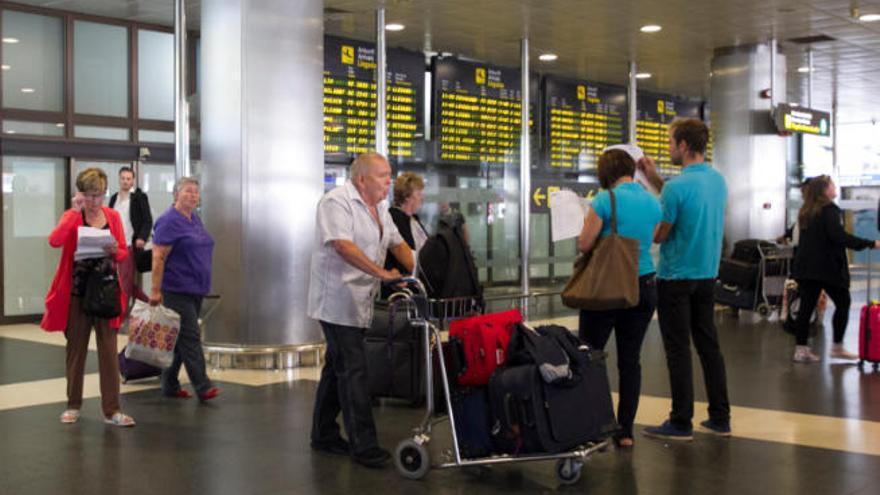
{"x":33,"y":200}
{"x":100,"y":63}
{"x":33,"y":61}
{"x":155,"y":75}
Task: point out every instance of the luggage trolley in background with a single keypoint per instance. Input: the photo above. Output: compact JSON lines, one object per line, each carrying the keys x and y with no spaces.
{"x":412,"y":458}
{"x":758,"y":286}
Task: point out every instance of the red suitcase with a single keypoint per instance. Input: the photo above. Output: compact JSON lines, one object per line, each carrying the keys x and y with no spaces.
{"x":869,"y":328}
{"x":484,"y":340}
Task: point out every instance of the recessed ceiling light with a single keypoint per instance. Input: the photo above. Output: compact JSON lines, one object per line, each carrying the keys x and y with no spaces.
{"x":650,"y":28}
{"x":10,"y":40}
{"x":804,"y":69}
{"x":27,"y":90}
{"x":10,"y":131}
{"x":59,"y":124}
{"x":869,"y":17}
{"x":547,"y":57}
{"x":643,"y":75}
{"x":5,"y":66}
{"x":394,"y":26}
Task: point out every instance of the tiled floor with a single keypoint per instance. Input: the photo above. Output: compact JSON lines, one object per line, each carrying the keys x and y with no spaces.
{"x":797,"y":429}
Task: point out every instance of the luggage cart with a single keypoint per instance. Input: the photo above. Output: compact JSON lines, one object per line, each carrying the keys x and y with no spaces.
{"x":771,"y":275}
{"x":773,"y":270}
{"x":412,"y":457}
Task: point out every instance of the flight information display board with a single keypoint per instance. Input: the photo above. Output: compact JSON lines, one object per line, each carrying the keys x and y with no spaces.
{"x":350,"y":100}
{"x":476,"y":112}
{"x":581,"y":119}
{"x":654,"y":113}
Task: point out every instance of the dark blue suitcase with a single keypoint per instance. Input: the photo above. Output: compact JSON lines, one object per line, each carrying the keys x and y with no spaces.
{"x":131,"y":369}
{"x":473,"y":421}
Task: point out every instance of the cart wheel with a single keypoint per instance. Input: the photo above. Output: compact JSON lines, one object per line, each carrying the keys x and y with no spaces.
{"x":764,"y":310}
{"x":876,"y":365}
{"x":861,"y":364}
{"x":568,"y":471}
{"x":412,"y":459}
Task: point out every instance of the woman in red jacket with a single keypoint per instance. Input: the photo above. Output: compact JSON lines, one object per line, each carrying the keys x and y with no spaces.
{"x":64,"y":309}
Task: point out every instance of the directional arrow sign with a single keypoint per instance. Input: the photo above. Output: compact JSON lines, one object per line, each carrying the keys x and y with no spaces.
{"x":538,"y":197}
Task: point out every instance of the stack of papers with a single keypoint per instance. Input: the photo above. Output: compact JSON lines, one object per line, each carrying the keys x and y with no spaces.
{"x":90,"y":243}
{"x":567,"y":213}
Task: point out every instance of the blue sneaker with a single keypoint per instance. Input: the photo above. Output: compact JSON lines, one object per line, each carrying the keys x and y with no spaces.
{"x":716,"y":428}
{"x":668,"y":431}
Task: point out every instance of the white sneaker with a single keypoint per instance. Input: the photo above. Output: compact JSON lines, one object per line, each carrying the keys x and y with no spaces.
{"x":837,"y":351}
{"x":803,"y":354}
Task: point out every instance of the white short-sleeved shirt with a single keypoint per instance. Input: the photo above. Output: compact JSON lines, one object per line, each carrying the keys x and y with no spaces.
{"x":339,"y":293}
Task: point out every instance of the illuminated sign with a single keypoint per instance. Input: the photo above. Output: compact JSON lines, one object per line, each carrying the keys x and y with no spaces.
{"x":793,"y":118}
{"x":654,"y":114}
{"x":476,"y":112}
{"x":580,"y":120}
{"x":350,"y":100}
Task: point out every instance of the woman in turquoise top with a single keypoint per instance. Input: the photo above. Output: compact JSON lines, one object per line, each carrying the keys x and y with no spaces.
{"x":638,"y":213}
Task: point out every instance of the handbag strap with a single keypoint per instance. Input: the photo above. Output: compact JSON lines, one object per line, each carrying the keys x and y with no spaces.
{"x":613,"y":211}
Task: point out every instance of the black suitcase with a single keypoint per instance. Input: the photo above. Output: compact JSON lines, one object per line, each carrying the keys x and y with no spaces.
{"x":747,"y":250}
{"x":742,"y":274}
{"x":395,"y":355}
{"x":733,"y":296}
{"x":532,"y":415}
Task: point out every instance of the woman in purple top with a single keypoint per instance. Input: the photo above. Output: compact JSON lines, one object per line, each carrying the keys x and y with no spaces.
{"x":182,"y":251}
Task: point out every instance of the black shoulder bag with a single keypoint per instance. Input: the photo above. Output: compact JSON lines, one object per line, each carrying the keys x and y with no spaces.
{"x":101,"y":298}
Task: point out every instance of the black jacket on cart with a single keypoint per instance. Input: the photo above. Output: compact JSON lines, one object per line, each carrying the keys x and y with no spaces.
{"x":821,"y":254}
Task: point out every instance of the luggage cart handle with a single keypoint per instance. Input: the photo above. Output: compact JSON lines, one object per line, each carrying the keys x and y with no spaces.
{"x":408,"y":283}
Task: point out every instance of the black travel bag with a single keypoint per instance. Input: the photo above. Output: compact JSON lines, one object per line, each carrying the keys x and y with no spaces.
{"x":742,"y":274}
{"x":446,"y":264}
{"x":734,"y":296}
{"x":552,"y":397}
{"x":394,"y":354}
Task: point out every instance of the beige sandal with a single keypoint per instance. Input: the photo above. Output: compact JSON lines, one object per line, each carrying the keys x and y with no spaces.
{"x":119,"y":419}
{"x":70,"y":416}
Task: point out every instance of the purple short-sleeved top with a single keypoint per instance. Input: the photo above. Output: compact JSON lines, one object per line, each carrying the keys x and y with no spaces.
{"x":188,"y":266}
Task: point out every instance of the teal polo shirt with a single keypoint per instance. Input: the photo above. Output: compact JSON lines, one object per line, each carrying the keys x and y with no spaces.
{"x":694,"y":204}
{"x":638,"y":213}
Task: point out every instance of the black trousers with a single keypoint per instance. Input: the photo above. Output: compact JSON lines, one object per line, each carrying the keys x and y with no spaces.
{"x":629,"y":326}
{"x":808,"y":292}
{"x":344,"y":388}
{"x":686,"y":309}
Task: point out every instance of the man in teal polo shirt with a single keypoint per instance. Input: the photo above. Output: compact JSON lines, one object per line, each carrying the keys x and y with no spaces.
{"x":690,"y":236}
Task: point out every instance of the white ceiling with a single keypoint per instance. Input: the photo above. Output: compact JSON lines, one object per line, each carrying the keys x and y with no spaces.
{"x":595,"y":39}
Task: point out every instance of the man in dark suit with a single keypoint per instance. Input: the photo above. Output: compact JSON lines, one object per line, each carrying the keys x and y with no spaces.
{"x":134,"y":208}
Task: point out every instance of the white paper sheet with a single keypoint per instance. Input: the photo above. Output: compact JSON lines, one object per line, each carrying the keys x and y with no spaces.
{"x":91,"y":241}
{"x":637,"y":154}
{"x":567,"y":212}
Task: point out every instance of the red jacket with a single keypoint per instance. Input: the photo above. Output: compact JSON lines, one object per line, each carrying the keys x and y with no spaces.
{"x":65,"y":237}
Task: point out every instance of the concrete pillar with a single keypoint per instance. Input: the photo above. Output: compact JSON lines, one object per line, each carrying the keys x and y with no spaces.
{"x":748,"y":150}
{"x":262,"y":162}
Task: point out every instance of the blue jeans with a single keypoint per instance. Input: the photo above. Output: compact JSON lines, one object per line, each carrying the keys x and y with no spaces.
{"x":188,"y":350}
{"x":686,"y":309}
{"x":629,"y":326}
{"x":344,"y":388}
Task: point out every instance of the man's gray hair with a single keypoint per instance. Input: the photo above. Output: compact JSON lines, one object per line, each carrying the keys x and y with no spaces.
{"x":184,"y":181}
{"x":361,"y":164}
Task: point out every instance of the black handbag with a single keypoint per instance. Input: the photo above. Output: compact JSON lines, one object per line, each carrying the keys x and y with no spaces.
{"x":143,"y":260}
{"x":101,"y":298}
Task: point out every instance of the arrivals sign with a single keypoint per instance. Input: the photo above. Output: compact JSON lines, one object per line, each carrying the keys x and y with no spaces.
{"x":794,"y":118}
